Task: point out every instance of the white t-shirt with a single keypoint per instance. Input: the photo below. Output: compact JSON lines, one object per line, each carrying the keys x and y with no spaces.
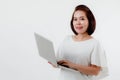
{"x":84,"y":53}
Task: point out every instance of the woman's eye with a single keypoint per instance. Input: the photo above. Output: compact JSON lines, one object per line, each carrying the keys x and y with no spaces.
{"x":75,"y":19}
{"x":82,"y":19}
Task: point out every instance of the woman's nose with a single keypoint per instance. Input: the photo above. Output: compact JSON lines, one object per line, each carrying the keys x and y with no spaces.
{"x":78,"y":22}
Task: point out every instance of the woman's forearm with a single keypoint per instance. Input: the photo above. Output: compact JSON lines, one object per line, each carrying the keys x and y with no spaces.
{"x":89,"y":70}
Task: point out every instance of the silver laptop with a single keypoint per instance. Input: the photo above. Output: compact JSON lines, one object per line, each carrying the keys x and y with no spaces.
{"x":45,"y":48}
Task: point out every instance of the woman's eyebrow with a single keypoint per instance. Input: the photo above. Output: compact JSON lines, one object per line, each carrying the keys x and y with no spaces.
{"x":79,"y":17}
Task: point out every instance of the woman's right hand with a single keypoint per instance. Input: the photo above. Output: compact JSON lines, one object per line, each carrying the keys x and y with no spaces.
{"x":52,"y":64}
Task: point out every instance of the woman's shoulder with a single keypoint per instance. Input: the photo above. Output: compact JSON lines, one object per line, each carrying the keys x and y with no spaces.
{"x":97,"y":42}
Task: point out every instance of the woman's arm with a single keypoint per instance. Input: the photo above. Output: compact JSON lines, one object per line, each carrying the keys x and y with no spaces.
{"x":88,"y":70}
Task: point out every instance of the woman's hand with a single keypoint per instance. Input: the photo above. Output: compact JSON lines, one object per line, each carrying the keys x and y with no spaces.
{"x":66,"y":63}
{"x":52,"y":64}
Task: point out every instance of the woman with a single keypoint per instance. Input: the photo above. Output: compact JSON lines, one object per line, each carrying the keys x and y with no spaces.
{"x":82,"y":53}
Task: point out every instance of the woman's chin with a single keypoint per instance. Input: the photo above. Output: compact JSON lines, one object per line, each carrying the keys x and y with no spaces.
{"x":80,"y":32}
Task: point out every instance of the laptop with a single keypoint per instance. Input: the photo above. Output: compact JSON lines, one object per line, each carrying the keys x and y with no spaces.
{"x":46,"y":49}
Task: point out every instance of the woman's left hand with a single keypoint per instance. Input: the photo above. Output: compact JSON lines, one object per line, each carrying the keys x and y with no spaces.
{"x":66,"y":63}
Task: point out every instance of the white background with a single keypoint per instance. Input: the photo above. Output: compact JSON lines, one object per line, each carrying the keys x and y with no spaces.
{"x":19,"y":19}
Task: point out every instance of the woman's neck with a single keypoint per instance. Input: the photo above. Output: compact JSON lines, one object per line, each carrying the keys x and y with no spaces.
{"x":82,"y":37}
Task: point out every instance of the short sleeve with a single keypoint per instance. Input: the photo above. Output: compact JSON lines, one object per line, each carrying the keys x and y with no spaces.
{"x":98,"y":58}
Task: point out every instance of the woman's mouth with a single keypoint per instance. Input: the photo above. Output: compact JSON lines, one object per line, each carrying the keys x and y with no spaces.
{"x":79,"y":28}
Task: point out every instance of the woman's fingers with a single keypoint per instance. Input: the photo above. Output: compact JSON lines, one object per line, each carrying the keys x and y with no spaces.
{"x":49,"y":62}
{"x":52,"y":64}
{"x":61,"y":62}
{"x":65,"y":65}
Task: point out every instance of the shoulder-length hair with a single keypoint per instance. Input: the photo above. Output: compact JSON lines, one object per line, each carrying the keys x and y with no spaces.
{"x":90,"y":17}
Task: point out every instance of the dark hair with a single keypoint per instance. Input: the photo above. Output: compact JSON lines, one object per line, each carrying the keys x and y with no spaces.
{"x":90,"y":17}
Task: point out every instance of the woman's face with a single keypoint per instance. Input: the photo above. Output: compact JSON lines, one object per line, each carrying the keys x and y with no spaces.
{"x":80,"y":22}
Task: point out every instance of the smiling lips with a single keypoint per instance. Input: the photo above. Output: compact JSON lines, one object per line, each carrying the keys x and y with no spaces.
{"x":79,"y":28}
